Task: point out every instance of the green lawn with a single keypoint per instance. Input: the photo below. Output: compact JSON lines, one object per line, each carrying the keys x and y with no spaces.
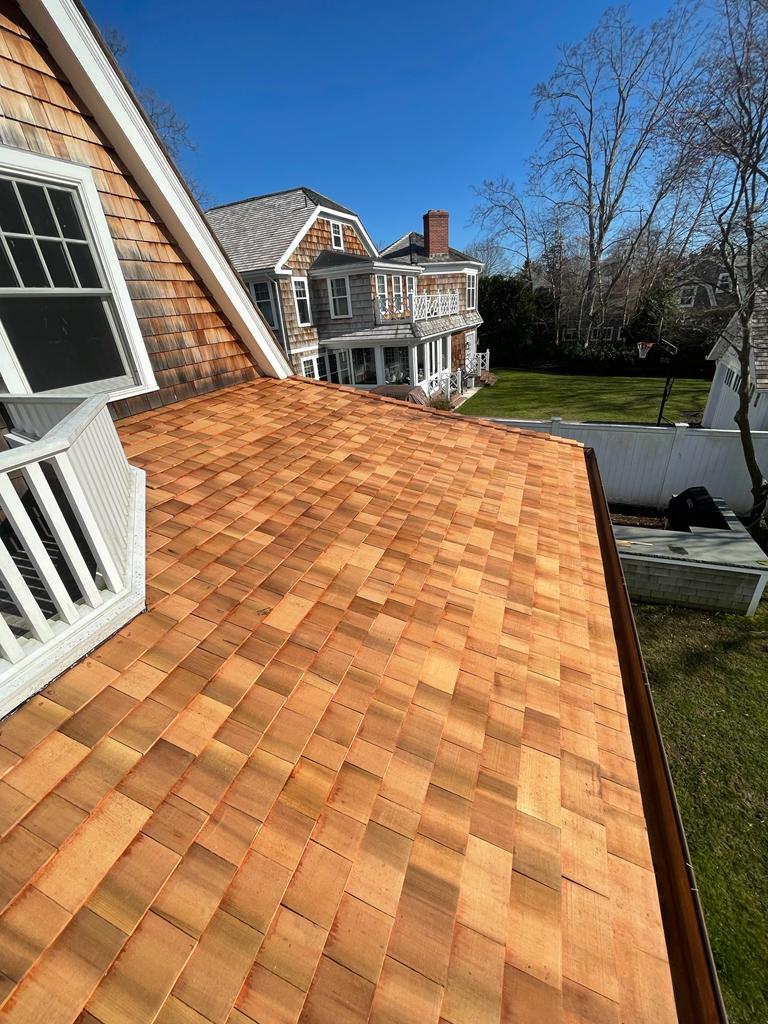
{"x":709,"y":676}
{"x":533,"y":396}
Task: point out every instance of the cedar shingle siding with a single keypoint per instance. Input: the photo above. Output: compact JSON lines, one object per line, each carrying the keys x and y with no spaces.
{"x":192,"y":346}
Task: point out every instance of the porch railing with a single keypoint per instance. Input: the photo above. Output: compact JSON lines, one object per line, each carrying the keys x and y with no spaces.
{"x":388,"y":309}
{"x":71,"y":538}
{"x":480,"y":362}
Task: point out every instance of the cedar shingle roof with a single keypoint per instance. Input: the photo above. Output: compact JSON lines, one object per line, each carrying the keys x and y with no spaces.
{"x":256,"y":232}
{"x":365,"y":757}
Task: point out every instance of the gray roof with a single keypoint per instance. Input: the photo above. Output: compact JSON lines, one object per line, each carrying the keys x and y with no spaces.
{"x":447,"y":324}
{"x":256,"y":232}
{"x":401,"y":331}
{"x":410,"y":249}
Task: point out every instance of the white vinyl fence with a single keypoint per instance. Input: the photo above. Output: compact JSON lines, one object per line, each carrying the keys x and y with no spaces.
{"x":647,"y":465}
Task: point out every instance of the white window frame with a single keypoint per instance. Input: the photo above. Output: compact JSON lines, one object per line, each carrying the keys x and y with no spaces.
{"x":332,"y":299}
{"x":471,"y":288}
{"x":607,"y":334}
{"x":302,"y":298}
{"x":334,"y":225}
{"x":688,"y":302}
{"x":397,"y":293}
{"x":313,"y":364}
{"x":381,"y":292}
{"x":570,"y":334}
{"x":723,"y":282}
{"x":53,"y":171}
{"x":252,"y":285}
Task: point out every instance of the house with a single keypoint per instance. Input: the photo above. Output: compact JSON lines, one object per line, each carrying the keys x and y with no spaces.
{"x":723,"y":398}
{"x":375,"y":744}
{"x":342,"y":311}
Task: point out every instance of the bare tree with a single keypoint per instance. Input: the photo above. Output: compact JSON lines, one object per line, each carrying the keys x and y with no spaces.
{"x":172,"y":129}
{"x":731,"y":115}
{"x":608,"y":149}
{"x":505,"y":214}
{"x":491,"y":254}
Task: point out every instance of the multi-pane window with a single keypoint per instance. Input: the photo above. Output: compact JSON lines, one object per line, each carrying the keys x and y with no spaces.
{"x":363,"y":366}
{"x":397,"y":293}
{"x":301,"y":296}
{"x":56,"y":307}
{"x":308,"y":367}
{"x":337,"y":235}
{"x":263,"y":298}
{"x":688,"y":295}
{"x":397,"y":368}
{"x":338,"y":290}
{"x":381,"y":292}
{"x":471,"y":291}
{"x":411,"y":282}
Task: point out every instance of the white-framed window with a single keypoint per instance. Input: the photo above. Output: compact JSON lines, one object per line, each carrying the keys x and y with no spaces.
{"x":381,"y":292}
{"x":688,"y":295}
{"x":471,"y":291}
{"x":309,"y":368}
{"x":301,"y":299}
{"x":595,"y":334}
{"x":397,"y":293}
{"x":262,"y":296}
{"x":410,"y":282}
{"x":337,"y":235}
{"x":619,"y":333}
{"x":67,"y":322}
{"x":570,"y":334}
{"x":338,"y":297}
{"x":723,"y":282}
{"x":607,"y":334}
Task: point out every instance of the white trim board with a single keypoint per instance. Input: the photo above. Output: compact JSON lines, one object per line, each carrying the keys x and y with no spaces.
{"x":72,"y":43}
{"x":323,"y":213}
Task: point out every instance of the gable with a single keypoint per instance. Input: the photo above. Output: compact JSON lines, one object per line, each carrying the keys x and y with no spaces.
{"x":199,"y":326}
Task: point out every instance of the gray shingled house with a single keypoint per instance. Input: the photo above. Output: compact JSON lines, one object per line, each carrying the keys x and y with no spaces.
{"x":342,"y":310}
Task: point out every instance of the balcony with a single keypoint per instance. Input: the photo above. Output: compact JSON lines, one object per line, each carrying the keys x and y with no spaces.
{"x":421,"y":306}
{"x":71,"y":538}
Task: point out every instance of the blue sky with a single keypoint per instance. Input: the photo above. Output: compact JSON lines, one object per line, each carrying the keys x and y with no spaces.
{"x":388,"y":109}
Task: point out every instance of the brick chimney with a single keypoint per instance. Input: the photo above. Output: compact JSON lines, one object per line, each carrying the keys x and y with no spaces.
{"x":436,"y":232}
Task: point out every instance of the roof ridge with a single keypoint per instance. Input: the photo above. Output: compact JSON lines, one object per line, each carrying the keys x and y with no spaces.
{"x":264,"y":195}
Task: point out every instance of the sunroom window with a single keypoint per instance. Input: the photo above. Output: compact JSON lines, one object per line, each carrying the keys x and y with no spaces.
{"x":59,"y":324}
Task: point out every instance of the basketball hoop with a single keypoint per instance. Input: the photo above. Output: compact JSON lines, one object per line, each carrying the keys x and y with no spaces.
{"x":644,"y":347}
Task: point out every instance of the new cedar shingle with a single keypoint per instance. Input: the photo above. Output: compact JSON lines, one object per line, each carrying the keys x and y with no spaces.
{"x":367,"y":754}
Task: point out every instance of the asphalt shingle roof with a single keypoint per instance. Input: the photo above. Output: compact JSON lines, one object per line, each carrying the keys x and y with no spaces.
{"x":256,"y":232}
{"x":410,"y":249}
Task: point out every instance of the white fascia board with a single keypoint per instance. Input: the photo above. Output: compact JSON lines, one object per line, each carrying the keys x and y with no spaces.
{"x":81,"y":57}
{"x":465,"y":267}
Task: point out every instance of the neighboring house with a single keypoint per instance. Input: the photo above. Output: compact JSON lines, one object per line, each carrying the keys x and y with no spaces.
{"x":723,"y":399}
{"x":375,"y":744}
{"x":342,"y":311}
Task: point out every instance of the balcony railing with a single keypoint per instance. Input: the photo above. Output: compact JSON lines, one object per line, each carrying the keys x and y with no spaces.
{"x":71,"y":538}
{"x":420,"y":306}
{"x":426,"y":305}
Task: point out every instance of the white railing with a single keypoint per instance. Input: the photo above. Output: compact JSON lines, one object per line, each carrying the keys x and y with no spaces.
{"x":480,"y":362}
{"x":71,"y":538}
{"x":426,"y":305}
{"x":388,"y":309}
{"x":446,"y":383}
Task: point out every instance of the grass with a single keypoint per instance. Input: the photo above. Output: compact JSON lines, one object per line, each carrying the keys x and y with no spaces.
{"x":529,"y":395}
{"x":709,"y":676}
